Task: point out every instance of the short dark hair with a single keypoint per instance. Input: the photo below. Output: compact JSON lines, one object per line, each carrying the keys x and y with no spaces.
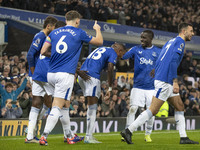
{"x":119,"y":45}
{"x":150,"y":33}
{"x":182,"y":26}
{"x":60,"y":24}
{"x":49,"y":20}
{"x":71,"y":15}
{"x":9,"y":85}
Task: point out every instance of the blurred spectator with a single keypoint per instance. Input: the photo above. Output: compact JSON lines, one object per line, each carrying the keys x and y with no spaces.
{"x":25,"y":104}
{"x":81,"y":106}
{"x":9,"y":112}
{"x":188,"y":111}
{"x":9,"y":93}
{"x":74,"y":113}
{"x":122,"y":102}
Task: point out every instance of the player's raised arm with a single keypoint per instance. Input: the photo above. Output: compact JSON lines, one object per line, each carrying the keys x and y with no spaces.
{"x":98,"y":40}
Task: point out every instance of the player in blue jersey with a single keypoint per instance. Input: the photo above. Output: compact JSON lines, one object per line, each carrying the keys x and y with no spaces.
{"x":145,"y":56}
{"x":99,"y":59}
{"x":166,"y":85}
{"x":37,"y":43}
{"x":65,"y":44}
{"x":38,"y":93}
{"x":40,"y":88}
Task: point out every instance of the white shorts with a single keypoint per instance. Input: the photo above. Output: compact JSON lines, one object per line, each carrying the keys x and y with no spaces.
{"x":90,"y":87}
{"x":40,"y":88}
{"x":62,"y":84}
{"x":140,"y":97}
{"x":163,"y":90}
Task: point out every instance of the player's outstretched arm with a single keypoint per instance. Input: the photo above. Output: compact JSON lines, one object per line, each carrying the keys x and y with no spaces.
{"x":98,"y":40}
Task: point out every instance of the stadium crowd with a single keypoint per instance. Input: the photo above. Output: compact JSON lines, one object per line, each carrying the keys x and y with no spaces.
{"x":152,"y":14}
{"x":16,"y":103}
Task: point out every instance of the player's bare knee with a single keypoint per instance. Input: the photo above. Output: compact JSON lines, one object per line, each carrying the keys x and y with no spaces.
{"x":37,"y":102}
{"x":133,"y":109}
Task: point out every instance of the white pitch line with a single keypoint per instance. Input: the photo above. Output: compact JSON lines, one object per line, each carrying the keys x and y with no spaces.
{"x":112,"y":134}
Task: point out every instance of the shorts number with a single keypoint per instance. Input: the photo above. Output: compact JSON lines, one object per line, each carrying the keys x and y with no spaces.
{"x":96,"y":54}
{"x":62,"y":44}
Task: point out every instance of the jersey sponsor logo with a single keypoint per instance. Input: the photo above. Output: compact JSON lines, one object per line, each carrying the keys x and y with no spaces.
{"x":37,"y":42}
{"x":145,"y":61}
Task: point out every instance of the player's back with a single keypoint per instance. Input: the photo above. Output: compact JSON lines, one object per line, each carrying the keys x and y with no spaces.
{"x":169,"y":59}
{"x":99,"y":60}
{"x":66,"y":47}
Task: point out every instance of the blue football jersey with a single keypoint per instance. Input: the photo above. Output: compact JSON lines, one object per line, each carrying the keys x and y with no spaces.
{"x":169,"y":60}
{"x":98,"y":60}
{"x":66,"y":43}
{"x":34,"y":50}
{"x":41,"y":69}
{"x":144,"y":62}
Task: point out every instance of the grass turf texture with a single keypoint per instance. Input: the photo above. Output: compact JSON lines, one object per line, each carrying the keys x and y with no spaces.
{"x":162,"y":140}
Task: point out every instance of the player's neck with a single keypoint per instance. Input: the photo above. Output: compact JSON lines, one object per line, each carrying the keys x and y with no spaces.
{"x":46,"y":32}
{"x":182,"y":36}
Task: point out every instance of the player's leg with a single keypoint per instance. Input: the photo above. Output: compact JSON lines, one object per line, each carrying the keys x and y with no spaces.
{"x":135,"y":99}
{"x":37,"y":102}
{"x":46,"y":105}
{"x":149,"y":127}
{"x":142,"y":118}
{"x":161,"y":94}
{"x":63,"y":88}
{"x":52,"y":118}
{"x":91,"y":118}
{"x":176,"y":101}
{"x":69,"y":137}
{"x":91,"y":90}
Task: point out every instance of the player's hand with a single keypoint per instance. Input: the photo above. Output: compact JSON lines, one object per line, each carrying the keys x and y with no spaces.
{"x":152,"y":73}
{"x":175,"y":87}
{"x":96,"y":26}
{"x":83,"y":75}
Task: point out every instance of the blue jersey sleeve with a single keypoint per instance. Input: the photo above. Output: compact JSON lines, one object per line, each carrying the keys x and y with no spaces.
{"x":35,"y":47}
{"x":31,"y":57}
{"x":85,"y":37}
{"x":179,"y":47}
{"x":112,"y":58}
{"x":130,"y":53}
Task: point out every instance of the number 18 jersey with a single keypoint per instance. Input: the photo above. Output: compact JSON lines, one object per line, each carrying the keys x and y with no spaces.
{"x":66,"y":43}
{"x":99,"y":60}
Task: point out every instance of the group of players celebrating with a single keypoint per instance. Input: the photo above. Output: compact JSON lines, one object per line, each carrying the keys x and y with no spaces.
{"x":53,"y":58}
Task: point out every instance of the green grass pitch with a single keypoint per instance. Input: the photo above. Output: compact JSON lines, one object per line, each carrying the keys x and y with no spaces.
{"x":162,"y":140}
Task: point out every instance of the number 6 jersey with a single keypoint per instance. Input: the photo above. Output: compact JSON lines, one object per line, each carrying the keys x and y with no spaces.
{"x":66,"y":43}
